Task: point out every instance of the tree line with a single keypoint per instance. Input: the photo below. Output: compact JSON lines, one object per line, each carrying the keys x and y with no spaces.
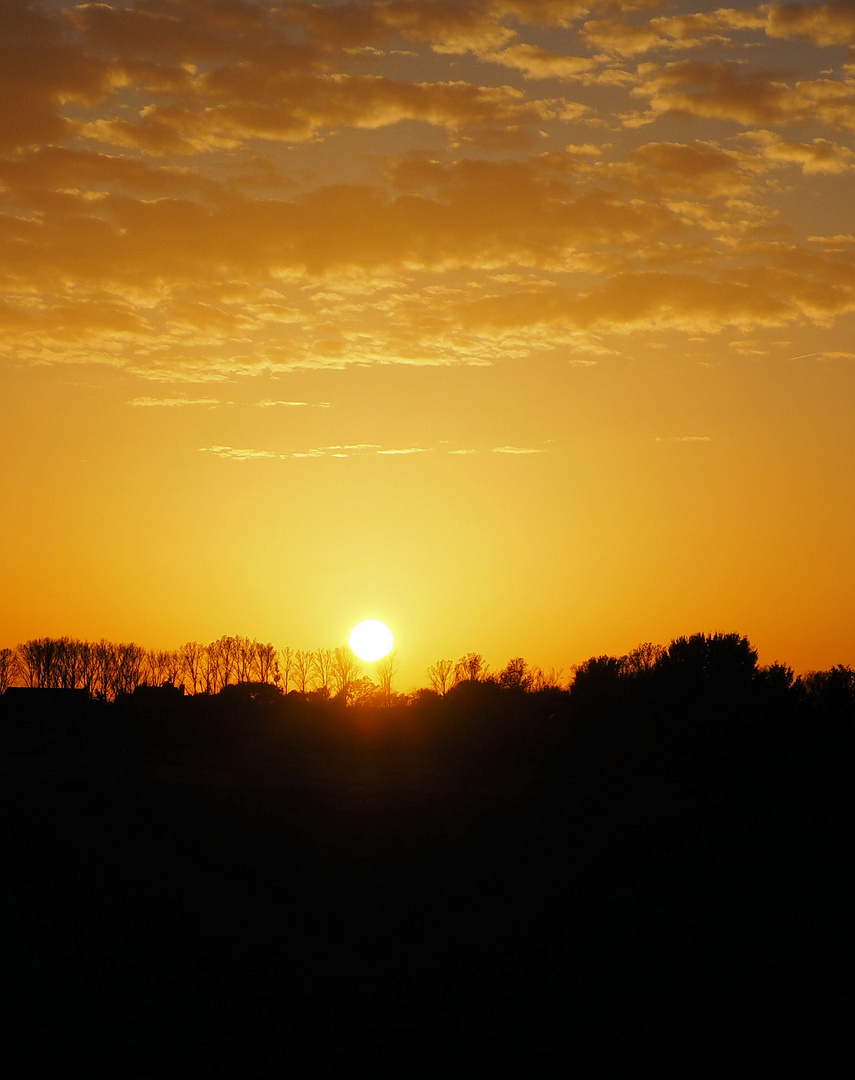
{"x":713,"y":666}
{"x":106,"y":670}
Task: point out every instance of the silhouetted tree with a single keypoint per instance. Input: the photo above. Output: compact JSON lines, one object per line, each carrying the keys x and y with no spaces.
{"x":8,"y":668}
{"x":192,"y":658}
{"x":344,"y":671}
{"x":128,"y":669}
{"x":156,"y":667}
{"x":515,"y":675}
{"x":441,"y":675}
{"x":265,"y":666}
{"x":596,"y":679}
{"x":227,"y":660}
{"x":470,"y":667}
{"x":642,"y":659}
{"x":831,"y":693}
{"x":285,"y":667}
{"x":551,"y":679}
{"x":244,"y":659}
{"x":709,"y":665}
{"x":36,"y":662}
{"x":778,"y":676}
{"x":386,"y":670}
{"x":302,"y":668}
{"x":322,"y":660}
{"x":363,"y":691}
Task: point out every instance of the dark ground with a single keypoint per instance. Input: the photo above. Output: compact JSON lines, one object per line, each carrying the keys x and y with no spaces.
{"x":212,"y":923}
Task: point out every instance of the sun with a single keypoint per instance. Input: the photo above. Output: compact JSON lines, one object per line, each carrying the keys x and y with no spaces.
{"x":371,"y":640}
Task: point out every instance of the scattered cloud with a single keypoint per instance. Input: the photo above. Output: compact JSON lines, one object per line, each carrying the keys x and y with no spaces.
{"x":198,"y":192}
{"x":686,"y":439}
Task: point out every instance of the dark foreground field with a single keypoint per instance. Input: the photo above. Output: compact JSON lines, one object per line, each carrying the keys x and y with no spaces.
{"x":224,"y":923}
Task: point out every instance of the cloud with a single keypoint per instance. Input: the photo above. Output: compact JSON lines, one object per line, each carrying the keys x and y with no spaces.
{"x":538,"y":63}
{"x":353,"y":447}
{"x":236,"y":454}
{"x":516,"y":450}
{"x":405,"y":450}
{"x":40,"y":70}
{"x":818,"y":156}
{"x":268,"y":404}
{"x":840,"y":242}
{"x":247,"y":107}
{"x":699,"y":168}
{"x":177,"y":403}
{"x":168,"y":207}
{"x":727,"y":91}
{"x":691,"y":31}
{"x":830,"y":23}
{"x":685,"y":439}
{"x":795,"y":285}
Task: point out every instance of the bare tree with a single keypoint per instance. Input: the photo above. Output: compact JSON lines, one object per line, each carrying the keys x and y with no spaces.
{"x":129,"y":670}
{"x":192,"y":655}
{"x":103,"y":663}
{"x":86,"y":665}
{"x":322,"y":660}
{"x":344,"y":672}
{"x":286,"y":667}
{"x":8,"y":669}
{"x":265,"y":666}
{"x":221,"y":663}
{"x":386,"y":671}
{"x":441,"y":675}
{"x":303,"y":668}
{"x":67,"y":663}
{"x":210,"y":667}
{"x":471,"y":666}
{"x":546,"y":680}
{"x":244,"y":651}
{"x":227,"y":655}
{"x":155,"y":665}
{"x":36,"y":660}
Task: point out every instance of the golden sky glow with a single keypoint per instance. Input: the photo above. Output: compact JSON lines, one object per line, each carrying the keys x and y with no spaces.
{"x":527,"y":326}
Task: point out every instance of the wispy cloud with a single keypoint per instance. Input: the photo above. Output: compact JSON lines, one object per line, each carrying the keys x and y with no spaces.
{"x":346,"y":450}
{"x":685,"y":438}
{"x":237,"y":454}
{"x":177,"y":402}
{"x":516,"y":450}
{"x":268,"y":404}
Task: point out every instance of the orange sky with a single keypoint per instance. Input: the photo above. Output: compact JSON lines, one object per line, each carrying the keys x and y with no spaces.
{"x":524,"y":325}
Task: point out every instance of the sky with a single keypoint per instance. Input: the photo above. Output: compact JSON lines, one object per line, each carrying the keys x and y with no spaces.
{"x":526,"y":326}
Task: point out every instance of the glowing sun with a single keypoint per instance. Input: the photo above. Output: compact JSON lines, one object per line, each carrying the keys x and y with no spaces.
{"x":371,"y":640}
